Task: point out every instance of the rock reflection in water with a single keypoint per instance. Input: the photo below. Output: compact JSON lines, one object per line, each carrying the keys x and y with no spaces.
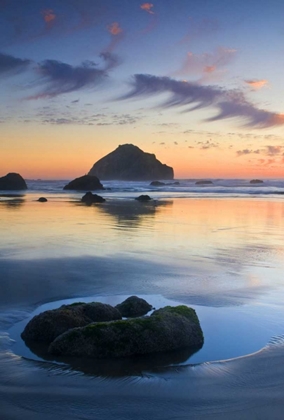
{"x":12,"y":201}
{"x":130,"y":214}
{"x":128,"y":366}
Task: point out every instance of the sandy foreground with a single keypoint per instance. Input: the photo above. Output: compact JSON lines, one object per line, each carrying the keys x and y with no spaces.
{"x":246,"y":388}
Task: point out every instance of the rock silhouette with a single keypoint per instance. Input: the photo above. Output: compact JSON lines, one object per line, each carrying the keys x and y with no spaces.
{"x":12,"y":181}
{"x":129,"y":163}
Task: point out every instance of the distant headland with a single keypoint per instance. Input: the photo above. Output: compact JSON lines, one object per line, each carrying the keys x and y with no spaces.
{"x":129,"y":163}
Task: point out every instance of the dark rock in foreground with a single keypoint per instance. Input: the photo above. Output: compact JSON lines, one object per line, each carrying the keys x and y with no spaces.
{"x":165,"y":330}
{"x":85,"y":183}
{"x":143,"y":198}
{"x":12,"y":181}
{"x":48,"y":325}
{"x":256,"y":181}
{"x":90,"y":198}
{"x":203,"y":182}
{"x":133,"y":307}
{"x":42,"y":200}
{"x":129,"y":163}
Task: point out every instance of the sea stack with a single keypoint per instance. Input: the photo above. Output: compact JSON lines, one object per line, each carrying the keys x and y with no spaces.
{"x":129,"y":163}
{"x":12,"y":181}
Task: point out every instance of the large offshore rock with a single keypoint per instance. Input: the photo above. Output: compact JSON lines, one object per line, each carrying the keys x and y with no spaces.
{"x":85,"y":183}
{"x":168,"y":329}
{"x":48,"y":325}
{"x":129,"y":163}
{"x":12,"y":181}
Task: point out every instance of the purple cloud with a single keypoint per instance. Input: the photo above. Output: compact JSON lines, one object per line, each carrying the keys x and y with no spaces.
{"x":229,"y":103}
{"x":59,"y":78}
{"x":12,"y":65}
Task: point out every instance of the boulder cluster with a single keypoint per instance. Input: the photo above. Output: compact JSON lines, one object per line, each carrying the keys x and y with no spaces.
{"x":98,"y":330}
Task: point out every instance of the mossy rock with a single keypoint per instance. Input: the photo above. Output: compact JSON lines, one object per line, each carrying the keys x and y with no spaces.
{"x":48,"y":325}
{"x":165,"y":330}
{"x":133,"y":307}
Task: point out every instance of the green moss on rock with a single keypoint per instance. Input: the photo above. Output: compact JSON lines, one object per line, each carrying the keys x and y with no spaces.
{"x":165,"y":330}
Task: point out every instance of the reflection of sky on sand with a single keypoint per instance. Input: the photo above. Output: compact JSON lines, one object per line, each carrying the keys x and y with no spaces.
{"x":213,"y":252}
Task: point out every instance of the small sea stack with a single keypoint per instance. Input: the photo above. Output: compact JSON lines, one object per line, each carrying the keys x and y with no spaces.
{"x":203,"y":182}
{"x":13,"y":181}
{"x":157,"y":184}
{"x":85,"y":183}
{"x":256,"y":181}
{"x":42,"y":200}
{"x":143,"y":197}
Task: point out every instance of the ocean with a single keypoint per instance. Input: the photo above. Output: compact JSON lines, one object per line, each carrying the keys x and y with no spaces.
{"x":217,"y":247}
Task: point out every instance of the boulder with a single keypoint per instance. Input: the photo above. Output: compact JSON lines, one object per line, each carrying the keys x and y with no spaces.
{"x":42,"y":200}
{"x":133,"y":307}
{"x":12,"y":181}
{"x":157,"y":184}
{"x":85,"y":183}
{"x":256,"y":181}
{"x":203,"y":182}
{"x":90,"y":198}
{"x":48,"y":325}
{"x":165,"y":330}
{"x":143,"y":198}
{"x":129,"y":163}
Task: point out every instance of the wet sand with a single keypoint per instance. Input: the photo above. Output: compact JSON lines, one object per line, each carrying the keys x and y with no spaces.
{"x":183,"y":253}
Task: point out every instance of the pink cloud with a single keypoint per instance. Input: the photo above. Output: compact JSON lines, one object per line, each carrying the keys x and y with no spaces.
{"x":147,"y":7}
{"x":256,"y":83}
{"x":207,"y":65}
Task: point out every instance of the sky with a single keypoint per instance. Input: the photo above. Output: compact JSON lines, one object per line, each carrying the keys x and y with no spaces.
{"x":199,"y":83}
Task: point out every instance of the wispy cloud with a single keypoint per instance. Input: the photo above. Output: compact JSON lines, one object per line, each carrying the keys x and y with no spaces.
{"x":207,"y":65}
{"x":49,"y":16}
{"x":247,"y":152}
{"x":117,"y":35}
{"x":229,"y":103}
{"x":274,"y":150}
{"x":268,"y":150}
{"x":147,"y":7}
{"x":58,"y":78}
{"x":205,"y":145}
{"x":10,"y":65}
{"x":257,"y":84}
{"x":111,"y":60}
{"x":114,"y":28}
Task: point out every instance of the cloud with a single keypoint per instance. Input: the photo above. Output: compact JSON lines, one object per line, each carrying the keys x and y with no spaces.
{"x":117,"y":35}
{"x":273,"y":150}
{"x":10,"y":65}
{"x":147,"y":7}
{"x":114,"y":29}
{"x":207,"y":145}
{"x":59,"y":78}
{"x":111,"y":60}
{"x":247,"y":152}
{"x":256,"y":84}
{"x":229,"y":103}
{"x":206,"y":65}
{"x":48,"y":16}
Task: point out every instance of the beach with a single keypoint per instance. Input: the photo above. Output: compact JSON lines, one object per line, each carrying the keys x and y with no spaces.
{"x":218,"y":252}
